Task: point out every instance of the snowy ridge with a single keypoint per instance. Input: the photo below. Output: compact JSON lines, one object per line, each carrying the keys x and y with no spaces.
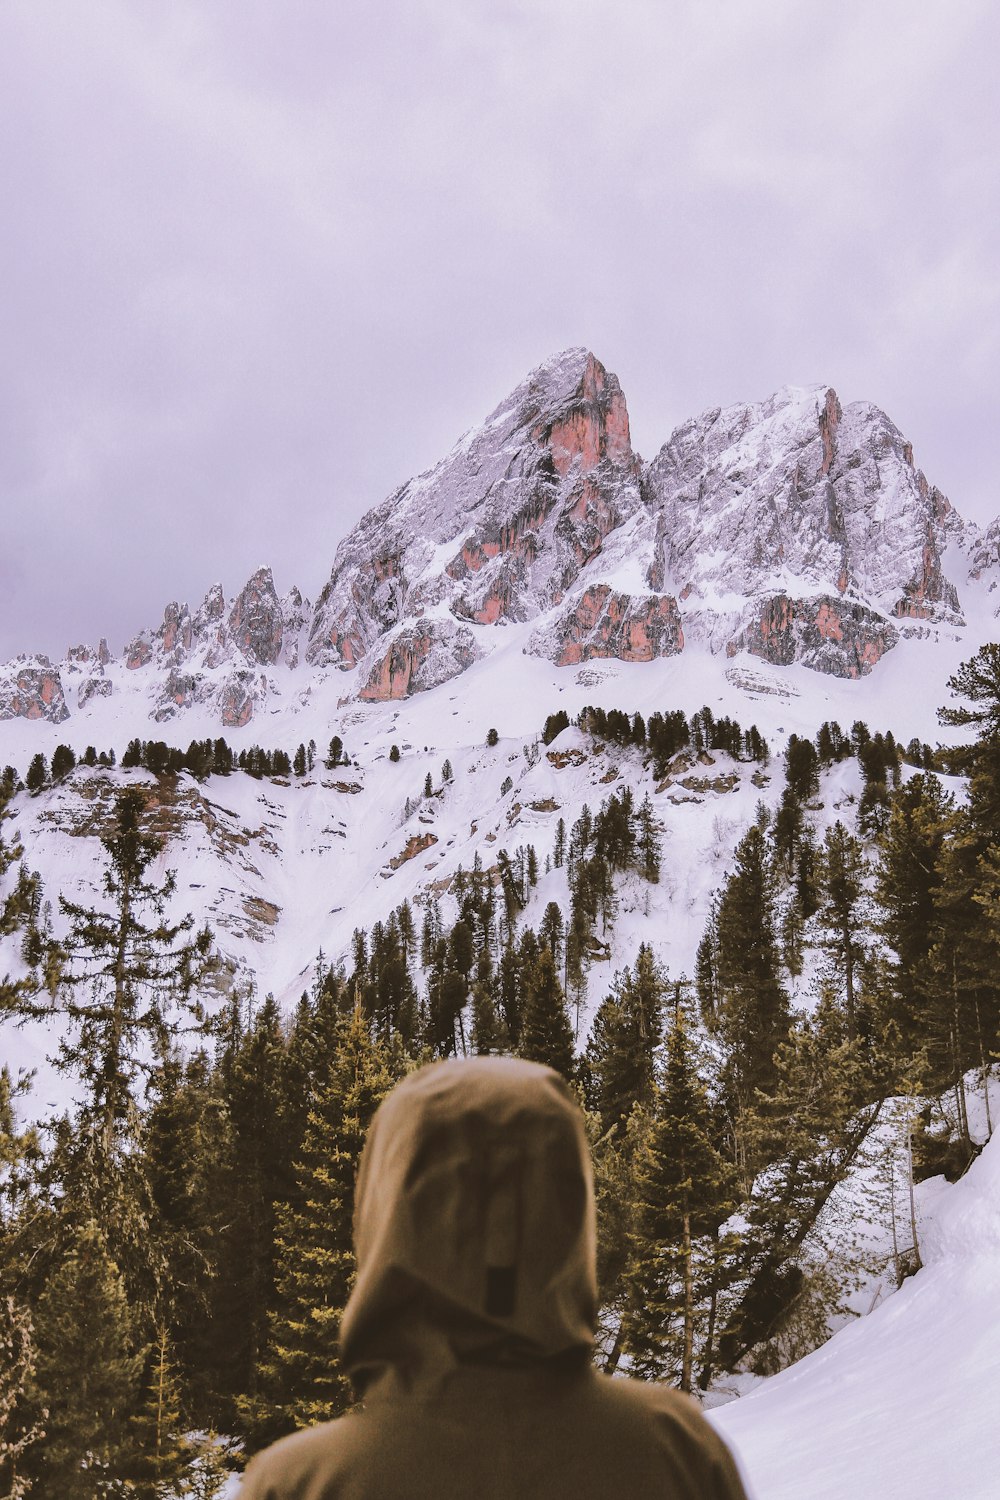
{"x":790,"y":530}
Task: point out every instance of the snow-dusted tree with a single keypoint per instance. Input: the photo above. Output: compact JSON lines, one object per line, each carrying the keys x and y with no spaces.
{"x":125,"y":975}
{"x":546,"y":1035}
{"x":807,"y":1127}
{"x":623,"y":1042}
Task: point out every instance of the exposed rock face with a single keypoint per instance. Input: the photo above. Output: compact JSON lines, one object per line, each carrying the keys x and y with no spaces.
{"x":421,"y":656}
{"x":498,"y":530}
{"x":295,"y":616}
{"x":603,"y":623}
{"x":31,"y":688}
{"x":93,"y":687}
{"x":139,"y":652}
{"x":828,"y":634}
{"x":213,"y":658}
{"x":236,"y":700}
{"x":799,"y":499}
{"x":255,"y":620}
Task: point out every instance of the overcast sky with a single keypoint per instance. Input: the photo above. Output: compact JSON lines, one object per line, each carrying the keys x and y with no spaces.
{"x":260,"y":262}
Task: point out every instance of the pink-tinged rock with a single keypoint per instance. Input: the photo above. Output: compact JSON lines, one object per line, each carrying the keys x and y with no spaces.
{"x":607,"y":624}
{"x":236,"y":702}
{"x":927,"y":590}
{"x":827,"y":634}
{"x":176,"y":633}
{"x":830,"y":415}
{"x":422,"y":656}
{"x":34,"y":691}
{"x":516,"y":509}
{"x":518,"y":536}
{"x":596,"y":428}
{"x":103,"y":652}
{"x":139,"y":652}
{"x":255,"y":620}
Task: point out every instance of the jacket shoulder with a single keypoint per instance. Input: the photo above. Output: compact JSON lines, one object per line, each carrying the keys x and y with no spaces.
{"x":674,"y":1423}
{"x":275,"y":1473}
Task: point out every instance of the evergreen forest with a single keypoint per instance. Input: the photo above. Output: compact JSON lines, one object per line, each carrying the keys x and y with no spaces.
{"x":175,"y":1251}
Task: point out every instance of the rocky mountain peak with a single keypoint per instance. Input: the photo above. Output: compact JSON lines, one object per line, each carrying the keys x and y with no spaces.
{"x":497,"y":531}
{"x":797,"y":529}
{"x":255,"y":620}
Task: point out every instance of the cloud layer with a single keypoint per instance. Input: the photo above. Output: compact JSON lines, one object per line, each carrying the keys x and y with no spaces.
{"x":260,"y":263}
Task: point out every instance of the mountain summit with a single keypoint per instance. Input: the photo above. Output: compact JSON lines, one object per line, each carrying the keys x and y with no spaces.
{"x":794,"y":529}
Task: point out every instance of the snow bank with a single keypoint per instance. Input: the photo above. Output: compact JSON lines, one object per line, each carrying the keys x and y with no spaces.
{"x":903,"y":1403}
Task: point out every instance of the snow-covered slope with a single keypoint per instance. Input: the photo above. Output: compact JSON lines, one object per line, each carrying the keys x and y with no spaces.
{"x":902,"y":1404}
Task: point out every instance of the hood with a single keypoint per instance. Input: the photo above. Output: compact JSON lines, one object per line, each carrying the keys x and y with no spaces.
{"x":474,"y":1225}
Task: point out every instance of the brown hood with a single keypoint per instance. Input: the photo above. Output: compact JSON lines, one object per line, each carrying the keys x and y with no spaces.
{"x":474,"y":1225}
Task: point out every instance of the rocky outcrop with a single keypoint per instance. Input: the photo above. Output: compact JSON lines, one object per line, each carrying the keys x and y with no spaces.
{"x":602,"y":623}
{"x":31,"y":688}
{"x":421,"y":656}
{"x":93,"y":687}
{"x":502,"y":527}
{"x":255,"y":620}
{"x":236,"y":700}
{"x":139,"y":651}
{"x":827,"y":634}
{"x":798,"y":495}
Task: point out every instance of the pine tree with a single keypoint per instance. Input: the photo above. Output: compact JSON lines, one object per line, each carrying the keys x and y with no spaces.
{"x":910,"y":852}
{"x":649,"y":842}
{"x":752,"y":1005}
{"x":683,"y":1189}
{"x":300,"y":1377}
{"x":255,"y":1074}
{"x":546,"y":1035}
{"x":842,"y":913}
{"x":623,"y":1042}
{"x":63,"y":761}
{"x":37,"y":774}
{"x":121,"y":976}
{"x":160,"y":1453}
{"x":809,"y":1127}
{"x":88,"y":1371}
{"x":188,"y":1163}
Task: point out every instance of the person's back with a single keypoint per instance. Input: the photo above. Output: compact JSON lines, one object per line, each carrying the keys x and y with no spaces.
{"x":470,"y":1328}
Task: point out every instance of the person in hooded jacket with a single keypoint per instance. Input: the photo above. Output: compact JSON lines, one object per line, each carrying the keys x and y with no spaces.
{"x":469,"y":1332}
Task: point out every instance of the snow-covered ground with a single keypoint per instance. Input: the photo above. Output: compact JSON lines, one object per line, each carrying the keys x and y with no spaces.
{"x":903,"y":1404}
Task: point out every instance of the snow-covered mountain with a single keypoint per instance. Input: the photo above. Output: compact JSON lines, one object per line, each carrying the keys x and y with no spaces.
{"x":792,"y":530}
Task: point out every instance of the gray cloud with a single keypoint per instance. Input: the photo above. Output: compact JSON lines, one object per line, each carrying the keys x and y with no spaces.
{"x":258,"y":264}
